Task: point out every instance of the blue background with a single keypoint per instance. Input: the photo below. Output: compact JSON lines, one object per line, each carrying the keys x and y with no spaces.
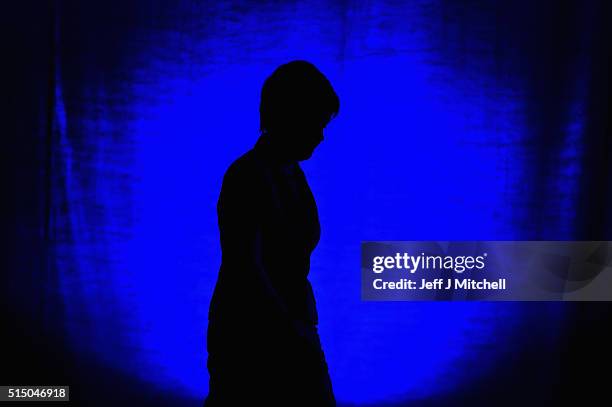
{"x":479,"y":121}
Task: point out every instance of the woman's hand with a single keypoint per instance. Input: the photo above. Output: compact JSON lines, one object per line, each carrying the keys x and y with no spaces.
{"x":307,"y":333}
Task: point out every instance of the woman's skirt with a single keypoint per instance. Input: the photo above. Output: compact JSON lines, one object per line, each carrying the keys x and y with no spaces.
{"x":266,"y":363}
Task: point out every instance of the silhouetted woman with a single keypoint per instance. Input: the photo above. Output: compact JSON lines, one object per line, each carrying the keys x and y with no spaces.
{"x":263,"y":344}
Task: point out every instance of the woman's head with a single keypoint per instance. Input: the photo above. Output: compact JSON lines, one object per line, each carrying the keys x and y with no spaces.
{"x":297,"y":102}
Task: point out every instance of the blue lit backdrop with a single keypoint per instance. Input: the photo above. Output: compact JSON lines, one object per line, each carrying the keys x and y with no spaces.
{"x":435,"y":140}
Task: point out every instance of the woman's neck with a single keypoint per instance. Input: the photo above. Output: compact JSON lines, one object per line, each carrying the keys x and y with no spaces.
{"x":273,"y":150}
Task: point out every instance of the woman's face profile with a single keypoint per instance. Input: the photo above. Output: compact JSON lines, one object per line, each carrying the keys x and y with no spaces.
{"x":300,"y":136}
{"x":308,"y":137}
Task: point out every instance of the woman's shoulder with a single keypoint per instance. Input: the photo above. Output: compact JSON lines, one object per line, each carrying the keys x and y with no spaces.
{"x":245,"y":170}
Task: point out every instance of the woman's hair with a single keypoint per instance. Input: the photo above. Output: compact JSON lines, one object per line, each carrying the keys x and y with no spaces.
{"x":295,"y":92}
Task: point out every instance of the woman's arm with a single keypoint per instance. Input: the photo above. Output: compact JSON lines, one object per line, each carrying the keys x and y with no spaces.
{"x":240,"y":212}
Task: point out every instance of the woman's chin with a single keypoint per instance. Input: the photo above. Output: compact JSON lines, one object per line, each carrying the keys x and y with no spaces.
{"x":305,"y":155}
